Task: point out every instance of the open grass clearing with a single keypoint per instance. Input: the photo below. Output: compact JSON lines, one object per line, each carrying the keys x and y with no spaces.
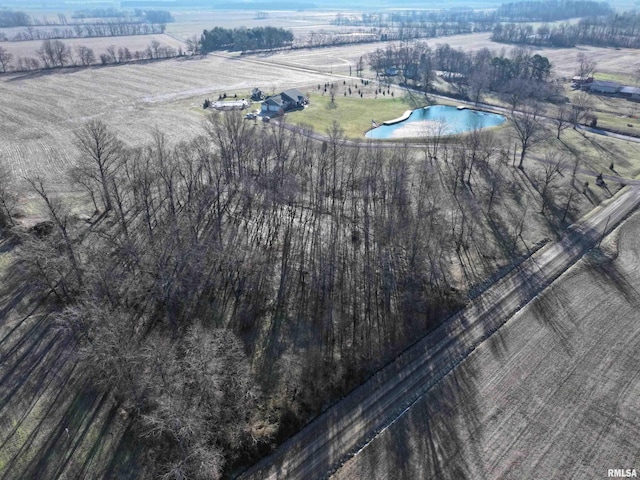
{"x":354,"y":114}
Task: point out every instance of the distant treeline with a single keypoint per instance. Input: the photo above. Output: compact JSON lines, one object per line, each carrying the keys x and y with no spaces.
{"x":14,"y":19}
{"x":619,"y":30}
{"x":259,"y":38}
{"x":478,"y":20}
{"x":114,"y":29}
{"x":150,"y":16}
{"x":551,"y":10}
{"x":137,"y":16}
{"x":229,"y":5}
{"x":57,"y":54}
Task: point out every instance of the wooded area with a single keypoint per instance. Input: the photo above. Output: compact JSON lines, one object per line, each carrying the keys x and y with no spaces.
{"x":258,"y":38}
{"x":257,"y":264}
{"x":616,"y":30}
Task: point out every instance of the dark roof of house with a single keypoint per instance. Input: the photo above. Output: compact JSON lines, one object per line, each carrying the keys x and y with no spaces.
{"x":275,"y":100}
{"x":293,"y":95}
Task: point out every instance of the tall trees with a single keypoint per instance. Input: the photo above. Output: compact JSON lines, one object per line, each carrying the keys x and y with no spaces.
{"x":255,"y":263}
{"x":586,"y":66}
{"x":581,"y":107}
{"x":527,"y":123}
{"x":257,"y":38}
{"x":100,"y":155}
{"x":5,"y":58}
{"x":54,"y":53}
{"x":85,"y":54}
{"x":8,"y":197}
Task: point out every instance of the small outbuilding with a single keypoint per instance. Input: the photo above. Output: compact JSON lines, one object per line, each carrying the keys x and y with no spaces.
{"x":630,"y":92}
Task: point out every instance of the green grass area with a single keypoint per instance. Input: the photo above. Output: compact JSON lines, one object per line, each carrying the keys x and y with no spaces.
{"x":354,"y":114}
{"x":615,"y":77}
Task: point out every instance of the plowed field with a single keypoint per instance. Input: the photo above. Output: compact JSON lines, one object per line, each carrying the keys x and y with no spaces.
{"x":553,"y":394}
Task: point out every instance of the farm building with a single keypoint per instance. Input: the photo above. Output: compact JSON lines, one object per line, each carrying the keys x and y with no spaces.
{"x":578,"y":80}
{"x":599,"y":86}
{"x":630,"y":92}
{"x":232,"y":105}
{"x":287,"y":100}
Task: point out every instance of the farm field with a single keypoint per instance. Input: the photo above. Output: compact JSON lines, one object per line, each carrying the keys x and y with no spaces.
{"x":552,"y":394}
{"x":193,"y":22}
{"x":338,"y":59}
{"x":40,"y":111}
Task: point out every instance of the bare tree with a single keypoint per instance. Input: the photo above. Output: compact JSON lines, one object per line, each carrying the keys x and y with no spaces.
{"x":586,"y":66}
{"x":60,"y":216}
{"x":85,"y":54}
{"x":194,"y":45}
{"x":101,"y":152}
{"x":562,"y":118}
{"x":552,"y":168}
{"x":5,"y":58}
{"x":528,"y":127}
{"x":54,"y":53}
{"x":581,"y":107}
{"x":8,"y":197}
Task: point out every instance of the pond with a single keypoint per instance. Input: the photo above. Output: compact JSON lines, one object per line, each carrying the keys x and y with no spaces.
{"x":436,"y":120}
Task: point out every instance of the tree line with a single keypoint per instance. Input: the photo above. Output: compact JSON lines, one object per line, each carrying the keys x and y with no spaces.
{"x":619,"y":30}
{"x":521,"y":73}
{"x":115,"y":28}
{"x":229,"y":287}
{"x":9,"y":18}
{"x":551,"y":10}
{"x":257,"y":38}
{"x":57,"y":54}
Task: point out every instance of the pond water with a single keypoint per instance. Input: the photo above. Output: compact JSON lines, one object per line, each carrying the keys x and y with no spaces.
{"x":437,"y":120}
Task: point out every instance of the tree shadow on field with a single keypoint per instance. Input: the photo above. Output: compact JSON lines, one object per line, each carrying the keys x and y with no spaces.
{"x":441,"y":436}
{"x":550,"y":309}
{"x":605,"y":271}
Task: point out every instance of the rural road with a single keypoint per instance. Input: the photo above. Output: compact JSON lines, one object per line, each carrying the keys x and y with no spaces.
{"x":345,"y":428}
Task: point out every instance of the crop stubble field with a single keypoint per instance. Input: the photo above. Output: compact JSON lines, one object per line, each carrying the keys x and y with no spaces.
{"x":41,"y":111}
{"x":552,"y":394}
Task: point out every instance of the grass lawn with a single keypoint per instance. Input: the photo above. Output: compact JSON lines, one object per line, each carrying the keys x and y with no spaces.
{"x":354,"y":114}
{"x":615,"y":77}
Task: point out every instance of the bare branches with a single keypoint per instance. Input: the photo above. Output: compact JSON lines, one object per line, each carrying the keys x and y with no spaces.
{"x":528,"y":126}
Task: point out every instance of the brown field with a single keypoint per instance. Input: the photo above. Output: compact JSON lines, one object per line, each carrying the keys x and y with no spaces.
{"x":40,"y":111}
{"x":622,"y":61}
{"x":553,"y":394}
{"x":193,"y":22}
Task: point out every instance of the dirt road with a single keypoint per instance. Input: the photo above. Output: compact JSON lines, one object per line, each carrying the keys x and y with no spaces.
{"x":328,"y":441}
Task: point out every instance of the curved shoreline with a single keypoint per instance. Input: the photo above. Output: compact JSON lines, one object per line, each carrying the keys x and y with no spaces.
{"x":402,"y":118}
